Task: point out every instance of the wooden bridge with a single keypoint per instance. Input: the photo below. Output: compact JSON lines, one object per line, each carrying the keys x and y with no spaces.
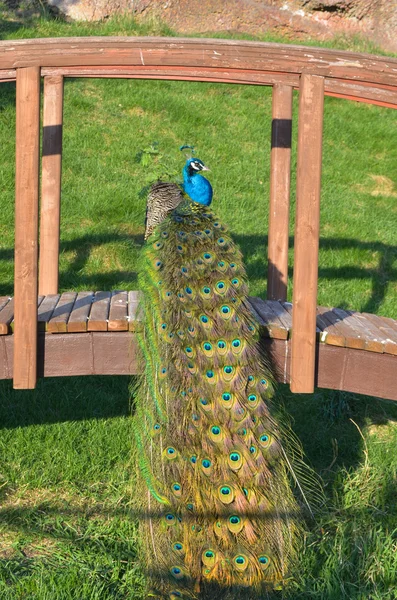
{"x":47,"y":334}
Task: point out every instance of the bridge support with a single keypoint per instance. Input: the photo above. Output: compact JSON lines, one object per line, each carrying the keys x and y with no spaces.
{"x":307,"y":231}
{"x":51,"y":185}
{"x":26,"y":226}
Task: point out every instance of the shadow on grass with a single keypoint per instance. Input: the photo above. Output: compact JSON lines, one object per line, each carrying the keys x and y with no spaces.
{"x":19,"y":14}
{"x":86,"y":544}
{"x":61,"y":399}
{"x":82,"y":248}
{"x":379,"y":278}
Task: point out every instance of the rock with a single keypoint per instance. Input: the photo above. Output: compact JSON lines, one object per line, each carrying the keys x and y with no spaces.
{"x":97,"y":10}
{"x":297,"y":19}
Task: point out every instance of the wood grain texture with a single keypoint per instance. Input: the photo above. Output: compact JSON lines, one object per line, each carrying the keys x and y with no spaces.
{"x":355,"y":76}
{"x":135,"y":314}
{"x":269,"y":319}
{"x":81,"y":309}
{"x":98,"y":318}
{"x":60,"y":316}
{"x":116,"y":353}
{"x":6,"y":315}
{"x":26,"y":226}
{"x":118,"y":317}
{"x":238,"y":54}
{"x":307,"y":231}
{"x":51,"y":185}
{"x":280,"y":177}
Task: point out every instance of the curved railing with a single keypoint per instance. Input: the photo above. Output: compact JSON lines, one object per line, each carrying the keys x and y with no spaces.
{"x":313,"y":71}
{"x":357,"y":76}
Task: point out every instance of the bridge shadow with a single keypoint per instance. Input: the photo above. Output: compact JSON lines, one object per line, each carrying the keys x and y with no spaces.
{"x":319,"y":425}
{"x":379,"y":278}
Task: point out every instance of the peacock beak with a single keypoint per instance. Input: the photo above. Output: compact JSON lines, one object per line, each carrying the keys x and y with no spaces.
{"x":204,"y":168}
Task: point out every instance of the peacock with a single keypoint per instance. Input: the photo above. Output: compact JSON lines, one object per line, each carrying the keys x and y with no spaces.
{"x":220,"y":518}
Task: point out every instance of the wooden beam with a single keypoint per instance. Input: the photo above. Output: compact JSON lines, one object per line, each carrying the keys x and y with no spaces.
{"x":280,"y":175}
{"x":197,"y":53}
{"x":117,"y":353}
{"x":307,"y":231}
{"x":26,"y":226}
{"x":51,"y":185}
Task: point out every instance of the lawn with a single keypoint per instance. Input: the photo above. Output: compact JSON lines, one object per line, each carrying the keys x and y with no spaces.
{"x":67,"y":503}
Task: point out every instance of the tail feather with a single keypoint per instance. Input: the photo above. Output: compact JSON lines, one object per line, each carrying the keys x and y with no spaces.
{"x":212,"y":453}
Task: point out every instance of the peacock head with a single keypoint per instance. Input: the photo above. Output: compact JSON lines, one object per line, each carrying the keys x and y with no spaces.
{"x":197,"y":187}
{"x":194,"y":166}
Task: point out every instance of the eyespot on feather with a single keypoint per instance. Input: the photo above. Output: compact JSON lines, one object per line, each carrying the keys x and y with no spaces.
{"x":216,"y":434}
{"x":221,"y":288}
{"x":227,"y":400}
{"x":205,"y":405}
{"x":176,"y":489}
{"x":228,"y":373}
{"x":235,"y":524}
{"x":205,"y":321}
{"x":208,"y":349}
{"x":209,"y":557}
{"x":253,"y":400}
{"x":170,"y":519}
{"x":226,"y":312}
{"x":235,"y":460}
{"x":170,"y":453}
{"x":226,"y":494}
{"x":221,"y":347}
{"x":264,"y":561}
{"x":205,"y":291}
{"x":240,"y":562}
{"x":163,"y":371}
{"x":177,"y":572}
{"x":206,"y":466}
{"x":265,"y":440}
{"x":237,"y":346}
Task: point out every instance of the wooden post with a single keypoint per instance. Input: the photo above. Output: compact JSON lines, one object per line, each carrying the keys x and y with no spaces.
{"x":280,"y":168}
{"x":51,"y":185}
{"x":26,"y":226}
{"x":307,"y":231}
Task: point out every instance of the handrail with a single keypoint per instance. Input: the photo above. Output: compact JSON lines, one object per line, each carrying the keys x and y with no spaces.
{"x":358,"y":76}
{"x":314,"y":71}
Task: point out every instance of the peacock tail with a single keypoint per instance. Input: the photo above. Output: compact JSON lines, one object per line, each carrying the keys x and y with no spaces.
{"x":220,"y":516}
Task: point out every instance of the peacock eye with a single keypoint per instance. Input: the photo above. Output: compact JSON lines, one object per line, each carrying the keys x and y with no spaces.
{"x":178,"y":546}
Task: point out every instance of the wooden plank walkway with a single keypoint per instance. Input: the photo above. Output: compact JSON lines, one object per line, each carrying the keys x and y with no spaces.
{"x":117,"y":311}
{"x":89,"y":333}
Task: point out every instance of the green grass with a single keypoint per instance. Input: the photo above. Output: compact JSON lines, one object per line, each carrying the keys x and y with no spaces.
{"x":67,"y":505}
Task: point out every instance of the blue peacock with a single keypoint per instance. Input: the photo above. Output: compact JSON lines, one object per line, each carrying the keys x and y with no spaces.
{"x":221,"y":519}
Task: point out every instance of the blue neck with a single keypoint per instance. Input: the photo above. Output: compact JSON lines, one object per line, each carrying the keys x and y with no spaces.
{"x":197,"y":187}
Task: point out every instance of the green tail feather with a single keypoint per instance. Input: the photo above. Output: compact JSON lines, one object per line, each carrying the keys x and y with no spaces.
{"x":209,"y":447}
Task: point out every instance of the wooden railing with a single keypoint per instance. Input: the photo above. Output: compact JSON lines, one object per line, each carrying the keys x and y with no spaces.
{"x":313,"y":71}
